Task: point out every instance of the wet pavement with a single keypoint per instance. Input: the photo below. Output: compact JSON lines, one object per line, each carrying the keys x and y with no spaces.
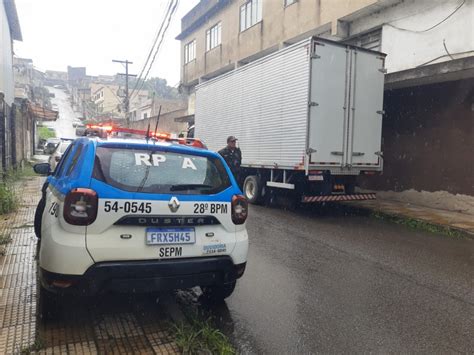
{"x":317,"y":281}
{"x":320,"y":281}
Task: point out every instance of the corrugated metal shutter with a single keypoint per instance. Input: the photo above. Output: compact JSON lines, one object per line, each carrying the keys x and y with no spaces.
{"x":371,"y":40}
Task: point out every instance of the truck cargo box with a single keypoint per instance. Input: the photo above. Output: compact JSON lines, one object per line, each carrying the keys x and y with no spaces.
{"x":314,"y":105}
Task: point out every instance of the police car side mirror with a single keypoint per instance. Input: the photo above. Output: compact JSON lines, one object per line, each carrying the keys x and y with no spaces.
{"x":42,"y":169}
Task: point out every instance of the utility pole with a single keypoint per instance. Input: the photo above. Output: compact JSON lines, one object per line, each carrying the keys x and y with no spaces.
{"x":83,"y":101}
{"x":126,"y":100}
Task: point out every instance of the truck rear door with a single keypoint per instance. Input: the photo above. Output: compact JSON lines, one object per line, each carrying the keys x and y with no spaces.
{"x":365,"y":123}
{"x":328,"y":96}
{"x":345,"y":106}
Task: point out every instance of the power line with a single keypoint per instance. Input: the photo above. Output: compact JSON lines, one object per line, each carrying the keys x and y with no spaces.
{"x":169,"y":17}
{"x":160,"y":43}
{"x":434,"y":26}
{"x":157,"y":36}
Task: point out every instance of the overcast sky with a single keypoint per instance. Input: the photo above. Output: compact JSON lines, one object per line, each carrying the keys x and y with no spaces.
{"x":90,"y":33}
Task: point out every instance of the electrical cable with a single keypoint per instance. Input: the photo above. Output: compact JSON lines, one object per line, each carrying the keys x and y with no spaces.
{"x":446,"y":49}
{"x":159,"y":44}
{"x":155,"y":40}
{"x":430,"y":28}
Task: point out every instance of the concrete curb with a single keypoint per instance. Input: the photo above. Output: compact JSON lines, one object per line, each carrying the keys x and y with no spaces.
{"x":448,"y":229}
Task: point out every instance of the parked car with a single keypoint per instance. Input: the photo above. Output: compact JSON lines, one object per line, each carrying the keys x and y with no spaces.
{"x":80,"y":130}
{"x":139,"y":215}
{"x":55,"y":157}
{"x":51,"y":144}
{"x":41,"y":144}
{"x":76,"y":122}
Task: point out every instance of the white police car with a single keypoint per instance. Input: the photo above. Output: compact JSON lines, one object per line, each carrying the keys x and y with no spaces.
{"x":139,"y":215}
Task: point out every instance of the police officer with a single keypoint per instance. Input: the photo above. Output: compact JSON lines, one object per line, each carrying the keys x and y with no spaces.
{"x":233,"y":156}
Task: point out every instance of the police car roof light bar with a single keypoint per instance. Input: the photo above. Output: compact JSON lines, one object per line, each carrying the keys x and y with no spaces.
{"x":193,"y":142}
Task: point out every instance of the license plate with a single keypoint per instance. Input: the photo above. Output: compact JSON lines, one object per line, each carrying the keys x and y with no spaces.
{"x":170,"y":236}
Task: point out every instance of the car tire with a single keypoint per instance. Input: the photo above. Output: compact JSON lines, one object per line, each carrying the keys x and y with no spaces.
{"x":253,"y":189}
{"x":48,"y":305}
{"x":218,"y":293}
{"x":39,"y":216}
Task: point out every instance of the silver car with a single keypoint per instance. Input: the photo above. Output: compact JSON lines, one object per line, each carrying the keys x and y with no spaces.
{"x":58,"y":153}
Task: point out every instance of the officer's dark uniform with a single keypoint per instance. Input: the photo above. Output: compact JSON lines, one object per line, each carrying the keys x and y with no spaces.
{"x":233,"y":158}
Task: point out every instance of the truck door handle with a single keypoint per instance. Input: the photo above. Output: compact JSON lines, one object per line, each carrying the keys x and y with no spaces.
{"x":357,"y":154}
{"x":337,"y":153}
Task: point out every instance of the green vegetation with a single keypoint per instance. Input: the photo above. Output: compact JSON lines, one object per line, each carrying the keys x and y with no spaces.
{"x":33,"y":348}
{"x":417,"y":224}
{"x":18,"y":174}
{"x":8,"y":200}
{"x":8,"y":196}
{"x":45,"y":133}
{"x":4,"y":240}
{"x":200,"y":337}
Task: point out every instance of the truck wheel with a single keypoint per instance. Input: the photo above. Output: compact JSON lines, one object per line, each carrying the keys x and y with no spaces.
{"x":38,"y":217}
{"x":253,"y":189}
{"x":218,"y":293}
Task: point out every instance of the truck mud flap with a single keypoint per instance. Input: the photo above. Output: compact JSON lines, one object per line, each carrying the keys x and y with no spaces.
{"x":331,"y":198}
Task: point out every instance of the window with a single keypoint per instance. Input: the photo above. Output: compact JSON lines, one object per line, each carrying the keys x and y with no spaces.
{"x":213,"y":36}
{"x":190,"y":52}
{"x":156,"y":171}
{"x":250,"y":14}
{"x":75,"y":158}
{"x":289,"y":2}
{"x":60,"y":167}
{"x":145,"y":115}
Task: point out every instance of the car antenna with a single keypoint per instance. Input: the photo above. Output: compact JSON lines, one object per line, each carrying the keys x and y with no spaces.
{"x":147,"y":137}
{"x":157,"y":120}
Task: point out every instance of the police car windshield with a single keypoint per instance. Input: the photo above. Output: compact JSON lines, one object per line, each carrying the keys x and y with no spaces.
{"x":155,"y":171}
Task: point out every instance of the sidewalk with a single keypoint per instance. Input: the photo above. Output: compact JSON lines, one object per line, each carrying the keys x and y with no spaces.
{"x":456,"y":221}
{"x":109,"y":325}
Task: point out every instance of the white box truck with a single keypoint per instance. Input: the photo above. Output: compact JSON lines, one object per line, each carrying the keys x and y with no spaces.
{"x":308,"y":118}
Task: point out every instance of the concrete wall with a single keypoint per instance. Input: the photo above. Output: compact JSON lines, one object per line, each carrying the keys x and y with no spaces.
{"x":428,"y":139}
{"x":6,"y":58}
{"x":279,"y":23}
{"x":406,"y":47}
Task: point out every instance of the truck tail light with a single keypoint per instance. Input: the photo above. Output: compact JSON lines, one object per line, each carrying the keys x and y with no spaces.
{"x":239,"y":209}
{"x":80,"y":207}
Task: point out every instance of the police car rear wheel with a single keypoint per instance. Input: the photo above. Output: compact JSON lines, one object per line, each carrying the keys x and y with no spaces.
{"x":253,"y":189}
{"x":38,"y":217}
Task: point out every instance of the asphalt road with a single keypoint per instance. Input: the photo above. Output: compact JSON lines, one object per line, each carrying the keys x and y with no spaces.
{"x":63,"y":125}
{"x":319,"y":281}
